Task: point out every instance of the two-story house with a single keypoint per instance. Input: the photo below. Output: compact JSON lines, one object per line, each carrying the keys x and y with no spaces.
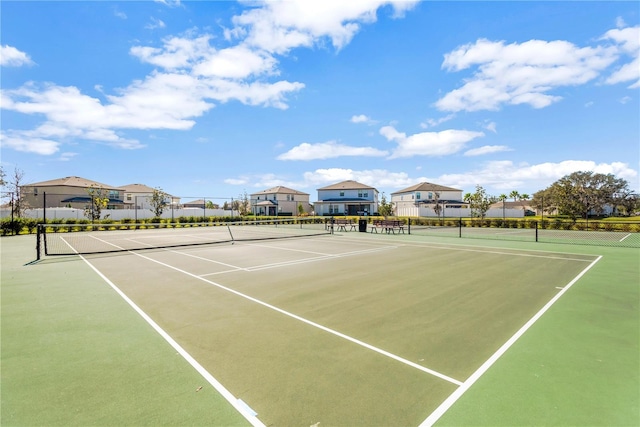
{"x":421,"y":199}
{"x":347,"y":198}
{"x":279,"y":201}
{"x":137,"y":196}
{"x":71,"y":191}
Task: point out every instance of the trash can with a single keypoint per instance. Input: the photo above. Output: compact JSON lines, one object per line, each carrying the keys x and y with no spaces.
{"x":362,"y":225}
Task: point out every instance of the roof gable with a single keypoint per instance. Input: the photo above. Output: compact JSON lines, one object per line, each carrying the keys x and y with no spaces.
{"x":71,"y":181}
{"x":426,"y":186}
{"x":280,"y":190}
{"x":347,"y":185}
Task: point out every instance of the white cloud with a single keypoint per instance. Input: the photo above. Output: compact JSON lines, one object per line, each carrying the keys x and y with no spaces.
{"x":281,"y":26}
{"x":29,"y":145}
{"x":490,"y":126}
{"x":119,"y":14}
{"x":328,"y":150}
{"x":169,"y":3}
{"x":520,"y":73}
{"x":193,"y":75}
{"x":361,"y":118}
{"x":67,"y":156}
{"x":429,"y":123}
{"x":487,"y":149}
{"x":440,"y":143}
{"x":12,"y":57}
{"x":628,"y":40}
{"x":155,"y":23}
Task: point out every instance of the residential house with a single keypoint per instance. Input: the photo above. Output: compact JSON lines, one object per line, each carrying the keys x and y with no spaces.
{"x":421,"y":199}
{"x":279,"y":201}
{"x":347,"y":198}
{"x":71,"y":191}
{"x":138,"y":196}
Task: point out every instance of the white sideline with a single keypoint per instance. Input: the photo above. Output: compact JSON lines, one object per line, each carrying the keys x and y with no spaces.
{"x":235,"y":402}
{"x":444,"y":406}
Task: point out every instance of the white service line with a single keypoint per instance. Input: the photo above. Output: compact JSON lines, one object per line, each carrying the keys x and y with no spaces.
{"x":444,"y":406}
{"x":628,"y":234}
{"x":236,"y":403}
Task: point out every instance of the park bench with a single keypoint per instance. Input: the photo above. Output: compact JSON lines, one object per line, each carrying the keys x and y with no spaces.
{"x":342,"y":224}
{"x":390,"y":226}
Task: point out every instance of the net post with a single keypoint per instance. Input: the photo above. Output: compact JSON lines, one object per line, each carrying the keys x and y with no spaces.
{"x":408,"y":225}
{"x":536,"y":231}
{"x":460,"y":227}
{"x":38,"y":242}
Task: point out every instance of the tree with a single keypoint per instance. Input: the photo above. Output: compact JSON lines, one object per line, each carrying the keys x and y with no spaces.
{"x":300,"y":209}
{"x":2,"y":175}
{"x":581,"y":193}
{"x":626,"y":201}
{"x":243,"y":204}
{"x":158,"y":201}
{"x":479,"y":202}
{"x":503,"y":198}
{"x":436,"y":207}
{"x":385,"y":208}
{"x":99,"y":201}
{"x":14,"y":187}
{"x":210,"y":205}
{"x":515,"y":195}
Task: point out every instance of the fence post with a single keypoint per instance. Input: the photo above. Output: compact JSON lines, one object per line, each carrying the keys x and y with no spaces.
{"x":460,"y":227}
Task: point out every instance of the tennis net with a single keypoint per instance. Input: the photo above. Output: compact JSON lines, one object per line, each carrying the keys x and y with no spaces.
{"x":69,"y":239}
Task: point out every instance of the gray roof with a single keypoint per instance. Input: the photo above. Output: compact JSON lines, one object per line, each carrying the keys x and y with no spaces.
{"x":426,"y":186}
{"x":70,"y":181}
{"x":347,"y":185}
{"x":279,"y":190}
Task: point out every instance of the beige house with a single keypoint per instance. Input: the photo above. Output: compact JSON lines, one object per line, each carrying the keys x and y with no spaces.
{"x":137,"y":196}
{"x":71,"y":191}
{"x":279,"y":201}
{"x":420,"y":199}
{"x":347,"y":198}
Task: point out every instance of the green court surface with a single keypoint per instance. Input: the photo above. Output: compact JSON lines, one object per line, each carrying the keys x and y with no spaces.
{"x":338,"y":330}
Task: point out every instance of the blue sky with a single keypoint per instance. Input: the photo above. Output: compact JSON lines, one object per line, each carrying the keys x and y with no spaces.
{"x":215,"y":98}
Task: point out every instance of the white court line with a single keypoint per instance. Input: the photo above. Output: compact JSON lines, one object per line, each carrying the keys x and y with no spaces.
{"x":628,"y":234}
{"x":308,"y":260}
{"x":302,"y":319}
{"x":254,"y":421}
{"x":444,"y":406}
{"x":492,"y":250}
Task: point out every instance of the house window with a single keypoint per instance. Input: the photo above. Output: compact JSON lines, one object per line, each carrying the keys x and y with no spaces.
{"x":430,"y":195}
{"x":359,"y":193}
{"x":114,"y":194}
{"x":35,"y":191}
{"x":342,"y":194}
{"x":418,"y":196}
{"x":129,"y":197}
{"x":366,"y":194}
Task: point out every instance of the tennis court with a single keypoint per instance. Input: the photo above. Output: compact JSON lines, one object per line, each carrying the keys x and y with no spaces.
{"x":334,"y":329}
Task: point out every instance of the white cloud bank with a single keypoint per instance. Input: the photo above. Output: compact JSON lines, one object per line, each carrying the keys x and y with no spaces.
{"x":527,"y":73}
{"x":441,"y":143}
{"x":192,"y":75}
{"x":328,"y":150}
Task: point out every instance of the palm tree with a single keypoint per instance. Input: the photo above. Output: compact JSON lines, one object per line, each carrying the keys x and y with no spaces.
{"x":523,"y":197}
{"x":502,"y":198}
{"x":514,"y":195}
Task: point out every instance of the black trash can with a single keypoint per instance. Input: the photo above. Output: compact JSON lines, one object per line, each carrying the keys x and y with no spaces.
{"x":362,"y":225}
